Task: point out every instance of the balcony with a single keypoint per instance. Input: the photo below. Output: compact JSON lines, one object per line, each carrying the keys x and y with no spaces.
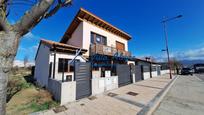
{"x":107,"y":50}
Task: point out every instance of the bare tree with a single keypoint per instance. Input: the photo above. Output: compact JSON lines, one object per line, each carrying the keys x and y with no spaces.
{"x":175,"y":64}
{"x":10,"y":35}
{"x":25,"y":61}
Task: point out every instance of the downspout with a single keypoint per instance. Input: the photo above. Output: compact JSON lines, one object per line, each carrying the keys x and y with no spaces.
{"x":54,"y":63}
{"x":150,"y":69}
{"x":63,"y":63}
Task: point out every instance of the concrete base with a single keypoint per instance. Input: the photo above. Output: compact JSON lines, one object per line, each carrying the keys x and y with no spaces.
{"x":133,"y":78}
{"x":100,"y":85}
{"x":146,"y":75}
{"x":68,"y":92}
{"x":63,"y":92}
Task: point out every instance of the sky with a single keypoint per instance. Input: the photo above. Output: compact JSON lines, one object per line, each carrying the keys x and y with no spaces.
{"x":139,"y":18}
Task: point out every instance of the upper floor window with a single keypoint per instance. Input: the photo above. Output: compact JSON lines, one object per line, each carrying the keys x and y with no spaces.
{"x":99,"y":39}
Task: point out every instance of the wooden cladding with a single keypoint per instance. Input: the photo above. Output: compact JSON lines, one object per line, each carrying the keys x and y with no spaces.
{"x":107,"y":50}
{"x":120,"y":46}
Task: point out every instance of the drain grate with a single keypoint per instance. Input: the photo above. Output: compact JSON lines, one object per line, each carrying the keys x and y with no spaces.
{"x":92,"y":97}
{"x":82,"y":104}
{"x":59,"y":109}
{"x":112,"y":94}
{"x":132,"y":93}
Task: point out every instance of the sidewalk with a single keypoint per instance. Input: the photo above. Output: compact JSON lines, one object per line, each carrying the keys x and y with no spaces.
{"x":186,"y":97}
{"x":127,"y":100}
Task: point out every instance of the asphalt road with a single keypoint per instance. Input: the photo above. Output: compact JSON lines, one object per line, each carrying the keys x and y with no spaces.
{"x":201,"y":76}
{"x":186,"y":97}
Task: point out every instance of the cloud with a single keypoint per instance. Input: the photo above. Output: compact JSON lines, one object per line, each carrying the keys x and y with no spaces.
{"x":30,"y":35}
{"x":20,"y":63}
{"x":192,"y":54}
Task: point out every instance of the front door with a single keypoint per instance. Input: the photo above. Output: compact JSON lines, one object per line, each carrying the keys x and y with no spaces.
{"x":83,"y":79}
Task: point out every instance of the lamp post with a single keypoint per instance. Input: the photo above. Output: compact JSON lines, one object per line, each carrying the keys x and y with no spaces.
{"x":164,"y":22}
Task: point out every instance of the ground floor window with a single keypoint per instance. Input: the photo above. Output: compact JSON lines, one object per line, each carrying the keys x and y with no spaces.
{"x":64,"y":66}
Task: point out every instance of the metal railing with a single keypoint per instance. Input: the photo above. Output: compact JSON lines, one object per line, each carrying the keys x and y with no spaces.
{"x":107,"y":50}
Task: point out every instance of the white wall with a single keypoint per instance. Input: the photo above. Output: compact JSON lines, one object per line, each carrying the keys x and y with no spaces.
{"x":58,"y":75}
{"x":146,"y":75}
{"x":131,"y":62}
{"x":96,"y":74}
{"x":63,"y":92}
{"x":42,"y":65}
{"x":100,"y":85}
{"x":76,"y":38}
{"x":164,"y":72}
{"x":154,"y":74}
{"x":68,"y":92}
{"x":111,"y":38}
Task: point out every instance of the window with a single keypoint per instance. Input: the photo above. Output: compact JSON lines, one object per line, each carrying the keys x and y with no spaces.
{"x":64,"y":63}
{"x":99,"y":39}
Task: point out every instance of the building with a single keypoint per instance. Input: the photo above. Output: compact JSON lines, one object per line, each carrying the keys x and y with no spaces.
{"x":199,"y":68}
{"x":91,"y":58}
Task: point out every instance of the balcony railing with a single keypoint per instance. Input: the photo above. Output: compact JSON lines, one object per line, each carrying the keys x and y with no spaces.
{"x":107,"y":50}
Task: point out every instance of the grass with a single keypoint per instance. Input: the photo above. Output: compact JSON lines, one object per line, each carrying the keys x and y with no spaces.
{"x":24,"y":96}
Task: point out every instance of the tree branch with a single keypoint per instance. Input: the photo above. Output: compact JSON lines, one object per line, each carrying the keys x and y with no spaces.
{"x":32,"y":17}
{"x":37,"y":13}
{"x":57,"y":7}
{"x":4,"y":26}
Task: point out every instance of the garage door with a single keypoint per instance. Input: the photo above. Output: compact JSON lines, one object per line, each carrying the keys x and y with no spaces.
{"x":123,"y":72}
{"x":83,"y":79}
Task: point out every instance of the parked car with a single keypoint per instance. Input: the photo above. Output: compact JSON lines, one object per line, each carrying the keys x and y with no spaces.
{"x":186,"y":71}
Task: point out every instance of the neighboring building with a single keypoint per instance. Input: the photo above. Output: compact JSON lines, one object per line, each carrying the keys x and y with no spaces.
{"x":92,"y":57}
{"x":199,"y":68}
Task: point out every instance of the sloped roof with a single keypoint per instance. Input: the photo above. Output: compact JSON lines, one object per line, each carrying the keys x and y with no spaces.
{"x":84,"y":15}
{"x":59,"y":46}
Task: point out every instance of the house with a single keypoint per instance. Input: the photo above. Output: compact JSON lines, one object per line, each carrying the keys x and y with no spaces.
{"x":91,"y":58}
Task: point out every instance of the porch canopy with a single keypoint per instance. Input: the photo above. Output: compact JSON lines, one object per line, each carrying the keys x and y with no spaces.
{"x":61,"y":47}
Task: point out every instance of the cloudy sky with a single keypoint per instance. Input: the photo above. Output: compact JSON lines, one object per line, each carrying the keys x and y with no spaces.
{"x":140,"y":18}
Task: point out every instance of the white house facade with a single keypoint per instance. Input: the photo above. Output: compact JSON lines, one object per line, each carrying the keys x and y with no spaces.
{"x":91,"y":58}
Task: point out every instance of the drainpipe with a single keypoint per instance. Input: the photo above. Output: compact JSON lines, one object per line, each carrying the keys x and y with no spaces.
{"x":150,"y":69}
{"x":54,"y":64}
{"x":63,"y":63}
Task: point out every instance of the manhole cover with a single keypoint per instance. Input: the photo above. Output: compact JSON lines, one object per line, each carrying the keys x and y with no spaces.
{"x":92,"y":97}
{"x":132,"y":93}
{"x":59,"y":109}
{"x":112,"y":94}
{"x":82,"y":104}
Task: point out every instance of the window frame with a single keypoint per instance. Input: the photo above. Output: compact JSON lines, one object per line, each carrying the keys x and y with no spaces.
{"x":103,"y":39}
{"x":70,"y":67}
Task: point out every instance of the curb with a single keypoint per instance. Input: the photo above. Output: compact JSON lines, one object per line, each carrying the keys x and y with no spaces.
{"x":155,"y":102}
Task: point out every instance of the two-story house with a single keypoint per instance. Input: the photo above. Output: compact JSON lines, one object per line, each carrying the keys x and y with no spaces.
{"x":86,"y":60}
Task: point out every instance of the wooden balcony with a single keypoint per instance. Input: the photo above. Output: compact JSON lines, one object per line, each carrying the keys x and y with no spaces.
{"x":107,"y":50}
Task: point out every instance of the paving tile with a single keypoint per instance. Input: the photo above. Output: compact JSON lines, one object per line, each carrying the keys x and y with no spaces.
{"x":121,"y":104}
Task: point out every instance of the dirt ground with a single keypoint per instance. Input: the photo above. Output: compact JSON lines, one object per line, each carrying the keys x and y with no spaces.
{"x":28,"y":98}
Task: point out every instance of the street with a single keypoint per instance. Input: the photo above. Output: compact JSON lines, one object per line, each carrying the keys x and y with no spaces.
{"x":186,"y":97}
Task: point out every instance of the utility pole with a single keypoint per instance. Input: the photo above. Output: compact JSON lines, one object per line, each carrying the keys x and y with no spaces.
{"x":164,"y":22}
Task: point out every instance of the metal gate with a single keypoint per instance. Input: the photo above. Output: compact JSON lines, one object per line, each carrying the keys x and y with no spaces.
{"x":158,"y":70}
{"x":138,"y":73}
{"x":123,"y":72}
{"x":83,"y":79}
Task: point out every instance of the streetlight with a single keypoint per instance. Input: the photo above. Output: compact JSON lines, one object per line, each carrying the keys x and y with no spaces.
{"x":164,"y":21}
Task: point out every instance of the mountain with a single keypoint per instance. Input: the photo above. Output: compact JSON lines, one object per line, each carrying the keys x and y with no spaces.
{"x":191,"y":62}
